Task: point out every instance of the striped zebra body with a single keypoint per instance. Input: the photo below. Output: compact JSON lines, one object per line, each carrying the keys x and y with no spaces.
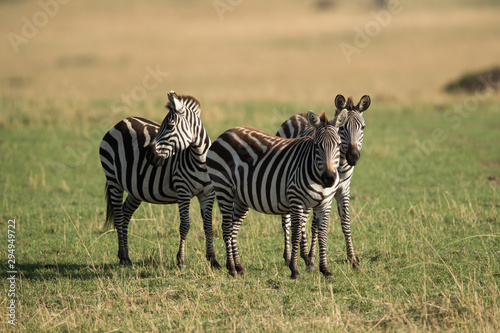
{"x":160,"y":164}
{"x":351,"y":135}
{"x":253,"y":169}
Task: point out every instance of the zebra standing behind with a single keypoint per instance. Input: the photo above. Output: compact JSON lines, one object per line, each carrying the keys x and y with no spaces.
{"x":351,"y":137}
{"x":253,"y":169}
{"x":159,"y":164}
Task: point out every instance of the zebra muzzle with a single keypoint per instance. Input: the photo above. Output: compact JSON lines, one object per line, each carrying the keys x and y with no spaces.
{"x":328,"y":178}
{"x":352,"y":156}
{"x":153,"y":157}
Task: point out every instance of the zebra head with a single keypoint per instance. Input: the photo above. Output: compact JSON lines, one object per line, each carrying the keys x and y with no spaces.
{"x":327,"y":144}
{"x":175,"y":133}
{"x":351,"y":134}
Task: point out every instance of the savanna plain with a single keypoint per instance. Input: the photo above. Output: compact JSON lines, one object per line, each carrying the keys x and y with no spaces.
{"x":424,"y":196}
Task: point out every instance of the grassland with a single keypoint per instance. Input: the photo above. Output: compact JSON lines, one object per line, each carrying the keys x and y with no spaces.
{"x":428,"y":240}
{"x":425,"y":204}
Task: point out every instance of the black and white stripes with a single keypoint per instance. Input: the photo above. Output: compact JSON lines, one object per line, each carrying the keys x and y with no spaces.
{"x":253,"y":169}
{"x":159,"y":164}
{"x":351,"y":135}
{"x":310,"y":161}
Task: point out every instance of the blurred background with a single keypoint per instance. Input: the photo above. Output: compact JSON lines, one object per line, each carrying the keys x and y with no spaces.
{"x":240,"y":50}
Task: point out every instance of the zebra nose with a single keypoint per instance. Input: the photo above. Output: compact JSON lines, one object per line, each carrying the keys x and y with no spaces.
{"x":328,"y":178}
{"x":352,"y":156}
{"x":153,"y":157}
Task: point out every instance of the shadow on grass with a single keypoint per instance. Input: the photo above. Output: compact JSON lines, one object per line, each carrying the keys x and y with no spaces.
{"x":42,"y":271}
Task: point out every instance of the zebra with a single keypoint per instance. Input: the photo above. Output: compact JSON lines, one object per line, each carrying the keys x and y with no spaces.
{"x":351,"y":135}
{"x":250,"y":168}
{"x":161,"y":165}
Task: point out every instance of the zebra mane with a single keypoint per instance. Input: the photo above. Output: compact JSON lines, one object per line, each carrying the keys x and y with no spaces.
{"x":323,"y":117}
{"x":349,"y":105}
{"x":190,"y":102}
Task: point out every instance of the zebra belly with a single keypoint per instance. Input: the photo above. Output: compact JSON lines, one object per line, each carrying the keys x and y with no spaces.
{"x":277,"y":201}
{"x":151,"y":184}
{"x":272,"y":208}
{"x":284,"y":206}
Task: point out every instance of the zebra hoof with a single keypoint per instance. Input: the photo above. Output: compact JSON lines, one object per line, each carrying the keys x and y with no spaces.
{"x":355,"y":265}
{"x":233,"y":273}
{"x":240,"y":270}
{"x":126,"y":262}
{"x":181,"y":266}
{"x":310,"y":268}
{"x":214,"y":264}
{"x":295,"y":276}
{"x":329,"y":277}
{"x":287,"y":259}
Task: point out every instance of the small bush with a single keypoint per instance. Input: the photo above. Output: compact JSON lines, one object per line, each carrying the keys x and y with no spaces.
{"x":475,"y":82}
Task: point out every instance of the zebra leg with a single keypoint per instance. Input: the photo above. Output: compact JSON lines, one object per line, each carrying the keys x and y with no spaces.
{"x":240,"y":211}
{"x":183,"y":229}
{"x":285,"y":224}
{"x":115,"y":198}
{"x":303,"y":241}
{"x":314,"y":239}
{"x":343,"y":209}
{"x":298,"y":220}
{"x":129,"y":207}
{"x":206,"y":207}
{"x":226,"y":210}
{"x":323,"y":215}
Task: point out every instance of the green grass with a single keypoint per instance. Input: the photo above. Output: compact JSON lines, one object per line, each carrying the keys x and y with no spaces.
{"x":425,"y":226}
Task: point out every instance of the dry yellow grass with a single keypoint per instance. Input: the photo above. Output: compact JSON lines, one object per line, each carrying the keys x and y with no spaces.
{"x":424,"y":211}
{"x":284,"y":51}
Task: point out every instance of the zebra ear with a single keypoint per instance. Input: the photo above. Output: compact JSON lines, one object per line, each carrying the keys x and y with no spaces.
{"x":175,"y":102}
{"x":313,"y":119}
{"x":341,"y":118}
{"x":364,"y":103}
{"x":339,"y":102}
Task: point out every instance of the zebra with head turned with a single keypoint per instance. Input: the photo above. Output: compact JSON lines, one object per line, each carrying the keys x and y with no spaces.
{"x":253,"y":169}
{"x":159,"y":164}
{"x":351,"y":135}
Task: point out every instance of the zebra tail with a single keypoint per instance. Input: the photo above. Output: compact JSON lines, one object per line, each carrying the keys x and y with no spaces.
{"x":110,"y":212}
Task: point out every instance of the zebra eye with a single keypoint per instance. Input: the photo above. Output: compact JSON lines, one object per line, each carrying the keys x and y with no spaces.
{"x":363,"y":127}
{"x":169,"y":124}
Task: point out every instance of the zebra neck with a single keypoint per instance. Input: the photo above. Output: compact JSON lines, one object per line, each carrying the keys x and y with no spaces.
{"x":200,"y":146}
{"x":309,"y":160}
{"x":344,"y":167}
